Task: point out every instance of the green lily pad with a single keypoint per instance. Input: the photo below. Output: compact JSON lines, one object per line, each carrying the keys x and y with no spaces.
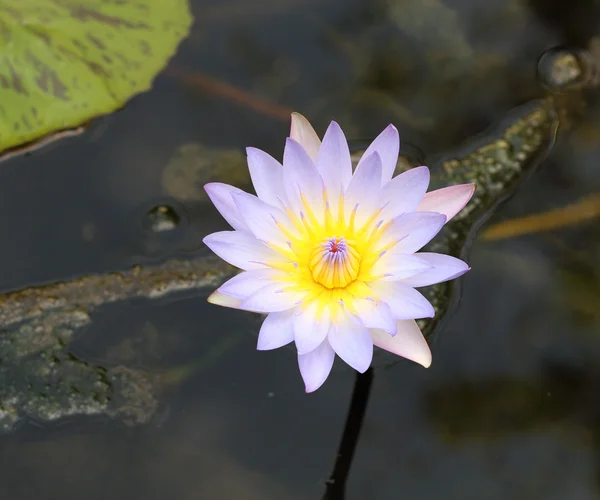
{"x":64,"y":62}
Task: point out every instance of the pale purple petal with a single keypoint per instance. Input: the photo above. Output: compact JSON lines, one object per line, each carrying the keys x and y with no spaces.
{"x":262,"y":219}
{"x":395,"y":265}
{"x":241,"y":249}
{"x":448,"y":201}
{"x":300,"y":177}
{"x":443,"y":268}
{"x":310,"y":329}
{"x":387,"y":144}
{"x":276,"y":331}
{"x":375,"y":314}
{"x":334,"y":163}
{"x":303,"y":133}
{"x":404,"y":192}
{"x":411,"y":231}
{"x":272,"y":297}
{"x":364,"y":191}
{"x":315,"y":366}
{"x":220,"y":299}
{"x":408,"y":342}
{"x":352,"y":342}
{"x":266,"y":174}
{"x":405,"y":301}
{"x":245,"y":284}
{"x":220,"y":195}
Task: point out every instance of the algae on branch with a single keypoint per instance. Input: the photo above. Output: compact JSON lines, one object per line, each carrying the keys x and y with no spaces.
{"x":496,"y":163}
{"x":41,"y":379}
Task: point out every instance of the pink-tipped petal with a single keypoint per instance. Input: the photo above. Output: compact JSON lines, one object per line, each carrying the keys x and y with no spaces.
{"x":405,"y":301}
{"x":315,"y":366}
{"x":310,"y":329}
{"x":220,"y":299}
{"x":220,"y":195}
{"x":245,"y":284}
{"x":387,"y":144}
{"x":404,"y":192}
{"x":364,"y":189}
{"x":334,"y":163}
{"x":352,"y":342}
{"x":443,"y":268}
{"x":411,"y":231}
{"x":301,"y":179}
{"x":448,"y":201}
{"x":276,"y":331}
{"x":266,"y":174}
{"x":303,"y":133}
{"x":262,"y":219}
{"x":408,"y":342}
{"x":241,"y":249}
{"x":375,"y":314}
{"x":272,"y":298}
{"x":395,"y":265}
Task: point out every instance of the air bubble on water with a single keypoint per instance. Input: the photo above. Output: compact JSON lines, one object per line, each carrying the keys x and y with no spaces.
{"x":162,"y":218}
{"x":565,"y":68}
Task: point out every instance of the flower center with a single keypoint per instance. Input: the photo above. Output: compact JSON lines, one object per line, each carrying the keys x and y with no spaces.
{"x":334,"y":263}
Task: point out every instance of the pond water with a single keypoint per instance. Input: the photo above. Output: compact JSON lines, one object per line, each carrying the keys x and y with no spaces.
{"x":509,"y":407}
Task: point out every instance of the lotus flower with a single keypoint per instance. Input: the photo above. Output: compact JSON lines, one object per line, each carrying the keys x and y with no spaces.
{"x":330,"y":254}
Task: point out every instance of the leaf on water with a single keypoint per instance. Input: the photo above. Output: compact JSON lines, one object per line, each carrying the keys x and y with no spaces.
{"x":193,"y":165}
{"x":64,"y":62}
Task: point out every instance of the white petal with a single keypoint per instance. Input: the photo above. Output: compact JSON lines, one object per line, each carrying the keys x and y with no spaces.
{"x":395,"y":265}
{"x":245,"y":284}
{"x":309,"y":332}
{"x":266,"y":174}
{"x":300,"y":177}
{"x":272,"y":298}
{"x":220,"y":299}
{"x":241,"y":249}
{"x":404,"y":192}
{"x":413,"y":230}
{"x":303,"y":133}
{"x":443,"y":268}
{"x":262,"y":219}
{"x":448,"y":201}
{"x":387,"y":144}
{"x":375,"y":314}
{"x":220,"y":195}
{"x":276,"y":331}
{"x":405,"y":301}
{"x":351,"y":341}
{"x":364,"y":189}
{"x":315,"y":366}
{"x":408,"y":342}
{"x":334,"y":163}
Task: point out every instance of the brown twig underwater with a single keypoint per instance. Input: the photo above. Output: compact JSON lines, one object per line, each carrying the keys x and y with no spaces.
{"x":229,"y":92}
{"x":582,"y":210}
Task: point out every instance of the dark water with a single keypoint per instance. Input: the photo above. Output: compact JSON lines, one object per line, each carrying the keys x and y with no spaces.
{"x":509,"y":408}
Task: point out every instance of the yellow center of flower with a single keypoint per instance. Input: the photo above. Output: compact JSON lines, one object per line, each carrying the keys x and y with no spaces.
{"x":331,"y":253}
{"x":334,"y":263}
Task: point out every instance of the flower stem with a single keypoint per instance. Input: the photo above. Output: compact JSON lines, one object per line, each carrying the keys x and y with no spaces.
{"x":336,"y":484}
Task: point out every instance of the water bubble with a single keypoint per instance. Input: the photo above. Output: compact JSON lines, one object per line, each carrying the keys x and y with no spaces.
{"x":566,"y":69}
{"x":162,"y":218}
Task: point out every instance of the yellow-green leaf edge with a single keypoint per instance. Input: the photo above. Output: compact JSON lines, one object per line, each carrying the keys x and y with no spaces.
{"x":63,"y":62}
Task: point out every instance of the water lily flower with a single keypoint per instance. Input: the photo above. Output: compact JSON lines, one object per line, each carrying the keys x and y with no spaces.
{"x":330,"y":254}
